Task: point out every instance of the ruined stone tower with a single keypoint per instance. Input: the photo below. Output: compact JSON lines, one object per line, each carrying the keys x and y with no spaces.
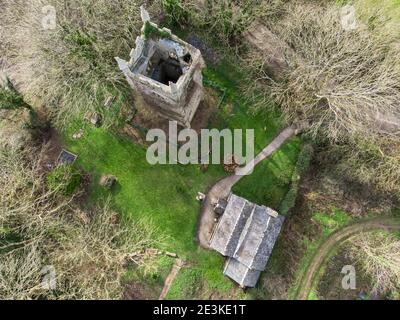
{"x":166,"y":72}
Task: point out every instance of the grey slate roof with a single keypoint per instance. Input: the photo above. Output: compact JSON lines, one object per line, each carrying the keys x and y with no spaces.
{"x":229,"y":229}
{"x":241,"y":274}
{"x":259,"y":236}
{"x":247,"y":234}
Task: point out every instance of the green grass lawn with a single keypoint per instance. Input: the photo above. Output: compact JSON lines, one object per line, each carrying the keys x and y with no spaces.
{"x":270,"y":180}
{"x":268,"y":184}
{"x":164,"y":195}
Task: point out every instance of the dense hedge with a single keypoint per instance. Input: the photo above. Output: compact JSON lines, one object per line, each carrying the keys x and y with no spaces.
{"x":303,"y":162}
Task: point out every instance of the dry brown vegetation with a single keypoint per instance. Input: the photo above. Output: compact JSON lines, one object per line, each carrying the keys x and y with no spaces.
{"x":225,"y":19}
{"x":69,"y":69}
{"x":339,"y":80}
{"x":374,"y":163}
{"x":378,"y":253}
{"x":88,"y":249}
{"x":344,"y":83}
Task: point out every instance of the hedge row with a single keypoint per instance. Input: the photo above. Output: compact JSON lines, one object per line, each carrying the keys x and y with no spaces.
{"x":303,"y":162}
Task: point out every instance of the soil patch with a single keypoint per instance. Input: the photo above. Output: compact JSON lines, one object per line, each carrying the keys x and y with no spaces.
{"x":51,"y":148}
{"x":135,"y":290}
{"x":209,"y":54}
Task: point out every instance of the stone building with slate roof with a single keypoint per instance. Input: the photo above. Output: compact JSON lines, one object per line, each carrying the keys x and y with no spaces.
{"x":246,"y":234}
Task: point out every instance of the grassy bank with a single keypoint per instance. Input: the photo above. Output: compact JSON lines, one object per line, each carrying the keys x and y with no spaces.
{"x":328,"y":223}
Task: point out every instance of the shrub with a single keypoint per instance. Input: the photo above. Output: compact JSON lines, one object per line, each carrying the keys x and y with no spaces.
{"x":290,"y":199}
{"x":344,"y":83}
{"x":90,"y":249}
{"x":175,"y":12}
{"x":302,"y":164}
{"x":150,"y":30}
{"x":372,"y":162}
{"x":64,"y":179}
{"x":11,"y":99}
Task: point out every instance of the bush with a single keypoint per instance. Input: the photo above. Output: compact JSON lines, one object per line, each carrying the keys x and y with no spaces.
{"x":302,"y":164}
{"x":150,"y":30}
{"x":290,"y":199}
{"x":11,"y":99}
{"x":371,"y":162}
{"x":224,"y":19}
{"x":175,"y":12}
{"x":64,"y":179}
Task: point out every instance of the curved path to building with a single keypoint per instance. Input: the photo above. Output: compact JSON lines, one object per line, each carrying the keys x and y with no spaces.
{"x":223,"y":187}
{"x":333,"y":241}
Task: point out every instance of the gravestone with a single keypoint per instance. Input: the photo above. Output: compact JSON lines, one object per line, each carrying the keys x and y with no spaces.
{"x":95,"y":119}
{"x":66,"y":157}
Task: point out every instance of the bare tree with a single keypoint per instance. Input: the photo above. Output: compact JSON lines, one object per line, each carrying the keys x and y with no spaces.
{"x":343,"y":82}
{"x":379,"y":255}
{"x":374,"y":162}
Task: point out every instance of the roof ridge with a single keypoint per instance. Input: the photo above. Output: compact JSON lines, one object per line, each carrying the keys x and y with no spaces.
{"x":264,"y":235}
{"x":244,"y":230}
{"x":236,"y":222}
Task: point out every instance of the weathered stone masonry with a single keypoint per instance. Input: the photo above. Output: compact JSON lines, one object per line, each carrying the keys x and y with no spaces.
{"x":166,"y":72}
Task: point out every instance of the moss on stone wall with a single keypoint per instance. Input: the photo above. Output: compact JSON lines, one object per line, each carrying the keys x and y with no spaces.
{"x":151,"y":30}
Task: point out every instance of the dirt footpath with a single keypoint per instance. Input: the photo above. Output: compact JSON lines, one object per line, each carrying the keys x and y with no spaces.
{"x":223,"y":187}
{"x":334,"y":240}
